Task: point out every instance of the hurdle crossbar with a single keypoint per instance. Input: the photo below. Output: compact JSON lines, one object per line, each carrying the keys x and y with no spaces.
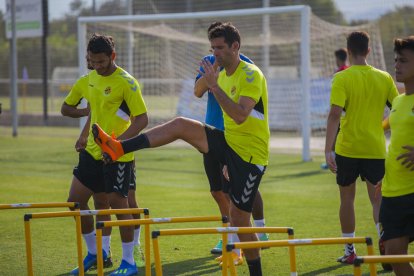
{"x":304,"y":242}
{"x":224,"y":231}
{"x":76,"y":214}
{"x":74,"y":205}
{"x":146,"y":222}
{"x":379,"y":259}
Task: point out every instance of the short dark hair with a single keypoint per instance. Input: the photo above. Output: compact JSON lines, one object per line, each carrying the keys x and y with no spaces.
{"x":403,"y":44}
{"x":226,"y":30}
{"x":213,"y":25}
{"x":358,"y":43}
{"x":341,"y":54}
{"x":101,"y":44}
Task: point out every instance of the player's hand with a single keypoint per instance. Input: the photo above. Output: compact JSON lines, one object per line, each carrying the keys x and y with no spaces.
{"x":210,"y":73}
{"x":330,"y":161}
{"x":81,"y":143}
{"x":407,"y":158}
{"x":226,"y":173}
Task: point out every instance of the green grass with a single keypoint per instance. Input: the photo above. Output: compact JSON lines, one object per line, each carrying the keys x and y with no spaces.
{"x":37,"y":167}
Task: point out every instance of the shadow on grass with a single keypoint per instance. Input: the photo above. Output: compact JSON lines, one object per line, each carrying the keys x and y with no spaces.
{"x":193,"y":267}
{"x":326,"y":270}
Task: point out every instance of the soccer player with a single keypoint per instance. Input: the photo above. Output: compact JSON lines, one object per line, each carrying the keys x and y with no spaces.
{"x":241,"y":91}
{"x":213,"y":167}
{"x":70,"y":108}
{"x":397,"y":206}
{"x":117,"y":105}
{"x":363,"y":91}
{"x":341,"y":56}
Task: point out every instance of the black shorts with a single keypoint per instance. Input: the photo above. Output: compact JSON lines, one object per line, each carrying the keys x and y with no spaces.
{"x":397,"y":217}
{"x":214,"y":172}
{"x":99,"y":178}
{"x":244,"y":176}
{"x":133,"y":182}
{"x":348,"y":170}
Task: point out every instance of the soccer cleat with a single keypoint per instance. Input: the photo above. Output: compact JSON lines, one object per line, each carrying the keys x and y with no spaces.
{"x":237,"y":259}
{"x":111,"y":148}
{"x":106,"y":263}
{"x":218,"y":248}
{"x":88,"y":263}
{"x":125,"y":269}
{"x":263,"y":237}
{"x":385,"y":266}
{"x":347,"y":259}
{"x":139,"y":256}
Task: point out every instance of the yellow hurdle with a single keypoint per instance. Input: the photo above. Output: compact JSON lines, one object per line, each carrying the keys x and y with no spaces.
{"x":224,"y":231}
{"x":29,"y":260}
{"x":76,"y":214}
{"x":379,"y":259}
{"x":74,"y":205}
{"x":147,"y":223}
{"x":302,"y":242}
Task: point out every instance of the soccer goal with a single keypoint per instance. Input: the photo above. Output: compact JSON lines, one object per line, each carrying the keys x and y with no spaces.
{"x":293,"y":47}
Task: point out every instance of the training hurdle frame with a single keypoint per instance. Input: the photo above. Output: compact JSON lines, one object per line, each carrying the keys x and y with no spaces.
{"x":227,"y":259}
{"x":73,"y":205}
{"x":76,"y":215}
{"x":146,"y":223}
{"x":303,"y":242}
{"x":379,"y":259}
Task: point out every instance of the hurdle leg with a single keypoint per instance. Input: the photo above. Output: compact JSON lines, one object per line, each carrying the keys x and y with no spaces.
{"x":79,"y":244}
{"x":28,"y":247}
{"x":147,"y":249}
{"x":224,"y":256}
{"x":292,"y":256}
{"x":99,"y":254}
{"x":372,"y":267}
{"x":357,"y":270}
{"x":157,"y":258}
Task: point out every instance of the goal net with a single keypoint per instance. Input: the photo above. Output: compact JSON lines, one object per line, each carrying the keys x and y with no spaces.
{"x":293,"y":48}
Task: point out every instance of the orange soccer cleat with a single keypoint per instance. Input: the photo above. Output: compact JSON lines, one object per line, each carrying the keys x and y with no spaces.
{"x":111,"y":148}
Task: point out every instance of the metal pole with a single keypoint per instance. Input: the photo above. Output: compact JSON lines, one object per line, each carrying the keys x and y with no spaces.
{"x":45,"y":20}
{"x":13,"y":68}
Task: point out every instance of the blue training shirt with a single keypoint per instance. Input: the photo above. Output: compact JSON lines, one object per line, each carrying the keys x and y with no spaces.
{"x":214,"y":114}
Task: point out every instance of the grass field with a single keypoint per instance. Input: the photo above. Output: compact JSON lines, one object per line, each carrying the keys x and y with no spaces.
{"x":37,"y":167}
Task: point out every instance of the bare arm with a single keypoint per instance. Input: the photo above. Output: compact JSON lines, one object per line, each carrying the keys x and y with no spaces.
{"x":237,"y":111}
{"x":331,"y":132}
{"x":74,"y":112}
{"x":83,"y":137}
{"x":138,"y":123}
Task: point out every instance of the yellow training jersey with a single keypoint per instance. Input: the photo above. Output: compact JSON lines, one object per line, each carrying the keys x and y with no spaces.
{"x":250,"y":140}
{"x":113,"y":100}
{"x":362,"y":91}
{"x":398,"y":179}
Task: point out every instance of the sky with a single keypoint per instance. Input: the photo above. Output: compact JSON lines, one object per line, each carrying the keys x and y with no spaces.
{"x":352,"y":9}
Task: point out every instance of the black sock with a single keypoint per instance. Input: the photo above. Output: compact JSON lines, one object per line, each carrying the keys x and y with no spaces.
{"x":135,"y":143}
{"x":255,"y":267}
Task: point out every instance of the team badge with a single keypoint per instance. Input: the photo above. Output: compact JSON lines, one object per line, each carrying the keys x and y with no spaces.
{"x":233,"y":91}
{"x":107,"y":90}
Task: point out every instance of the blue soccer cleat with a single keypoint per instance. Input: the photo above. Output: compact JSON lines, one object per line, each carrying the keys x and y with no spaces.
{"x":88,"y":263}
{"x":218,"y":248}
{"x":125,"y":269}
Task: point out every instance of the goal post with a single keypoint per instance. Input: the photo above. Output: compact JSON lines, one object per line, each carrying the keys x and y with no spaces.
{"x":292,"y":47}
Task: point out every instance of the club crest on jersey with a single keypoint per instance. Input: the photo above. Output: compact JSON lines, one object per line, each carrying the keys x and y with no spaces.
{"x":233,"y":91}
{"x":107,"y":90}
